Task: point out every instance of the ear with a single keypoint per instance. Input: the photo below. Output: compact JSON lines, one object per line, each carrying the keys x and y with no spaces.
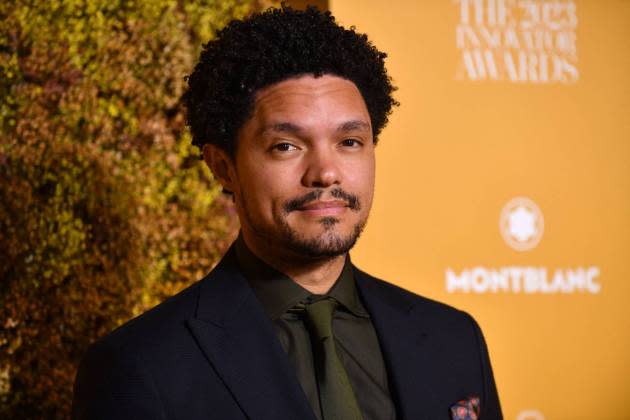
{"x":221,"y":165}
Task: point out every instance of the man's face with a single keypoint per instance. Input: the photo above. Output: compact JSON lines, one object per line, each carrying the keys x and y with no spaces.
{"x":304,"y":168}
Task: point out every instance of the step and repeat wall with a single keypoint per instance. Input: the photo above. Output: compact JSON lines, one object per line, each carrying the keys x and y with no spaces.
{"x":503,"y":186}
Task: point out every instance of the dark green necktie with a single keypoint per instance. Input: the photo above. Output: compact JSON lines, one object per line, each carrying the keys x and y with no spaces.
{"x":335,"y":391}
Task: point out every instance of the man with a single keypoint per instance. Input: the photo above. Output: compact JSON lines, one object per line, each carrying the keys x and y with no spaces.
{"x":287,"y":106}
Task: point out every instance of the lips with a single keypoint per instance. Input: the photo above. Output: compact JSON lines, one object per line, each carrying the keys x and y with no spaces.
{"x":317,"y":205}
{"x":324,"y":208}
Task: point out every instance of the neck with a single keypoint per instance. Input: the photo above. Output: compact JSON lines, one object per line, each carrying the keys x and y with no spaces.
{"x":315,"y":275}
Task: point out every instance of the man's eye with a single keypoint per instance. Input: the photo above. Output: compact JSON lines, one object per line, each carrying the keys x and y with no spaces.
{"x":351,"y":143}
{"x":284,"y":147}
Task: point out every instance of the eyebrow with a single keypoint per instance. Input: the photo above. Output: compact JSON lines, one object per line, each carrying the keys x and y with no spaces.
{"x":291,"y":128}
{"x":284,"y":127}
{"x":354,"y":125}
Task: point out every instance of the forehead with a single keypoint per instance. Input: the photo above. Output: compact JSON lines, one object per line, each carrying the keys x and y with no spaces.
{"x":310,"y":99}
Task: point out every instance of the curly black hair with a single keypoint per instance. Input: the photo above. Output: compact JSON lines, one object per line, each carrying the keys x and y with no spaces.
{"x":272,"y":46}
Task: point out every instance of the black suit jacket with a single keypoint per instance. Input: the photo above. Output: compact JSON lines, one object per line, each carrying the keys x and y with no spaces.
{"x":210,"y":352}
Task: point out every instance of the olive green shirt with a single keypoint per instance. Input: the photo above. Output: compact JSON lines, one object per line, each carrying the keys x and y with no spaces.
{"x":357,"y":343}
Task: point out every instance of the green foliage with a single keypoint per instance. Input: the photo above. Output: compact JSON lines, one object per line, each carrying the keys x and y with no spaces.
{"x":105,"y":208}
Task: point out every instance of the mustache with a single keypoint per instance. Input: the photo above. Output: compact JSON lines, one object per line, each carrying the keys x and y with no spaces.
{"x":299,"y":202}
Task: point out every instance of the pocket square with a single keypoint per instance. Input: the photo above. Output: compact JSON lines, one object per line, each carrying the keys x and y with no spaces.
{"x":467,"y":409}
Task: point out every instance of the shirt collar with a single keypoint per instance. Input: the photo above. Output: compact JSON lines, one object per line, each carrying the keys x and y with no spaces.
{"x":278,"y":293}
{"x":345,"y":292}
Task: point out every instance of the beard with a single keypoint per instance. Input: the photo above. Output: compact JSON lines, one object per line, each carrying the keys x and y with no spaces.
{"x":330,"y":243}
{"x":327,"y":245}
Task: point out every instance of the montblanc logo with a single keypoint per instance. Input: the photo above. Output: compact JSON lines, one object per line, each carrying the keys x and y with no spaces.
{"x":530,"y":415}
{"x":521,"y":224}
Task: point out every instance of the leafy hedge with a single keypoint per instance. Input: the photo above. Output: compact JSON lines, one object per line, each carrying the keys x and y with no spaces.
{"x":105,"y":208}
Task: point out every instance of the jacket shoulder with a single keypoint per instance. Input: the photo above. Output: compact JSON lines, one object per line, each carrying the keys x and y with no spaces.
{"x":155,"y":326}
{"x":454,"y":341}
{"x":438,"y":318}
{"x":405,"y":299}
{"x":118,"y":373}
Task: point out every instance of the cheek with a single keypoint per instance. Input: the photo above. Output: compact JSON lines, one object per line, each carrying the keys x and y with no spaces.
{"x":362,"y":178}
{"x":365,"y":187}
{"x":265,"y":188}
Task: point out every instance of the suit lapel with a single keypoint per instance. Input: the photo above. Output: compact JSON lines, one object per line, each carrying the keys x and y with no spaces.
{"x":402,"y":338}
{"x":238,"y":339}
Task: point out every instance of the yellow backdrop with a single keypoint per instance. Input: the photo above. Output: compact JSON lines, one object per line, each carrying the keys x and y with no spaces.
{"x":503,"y":186}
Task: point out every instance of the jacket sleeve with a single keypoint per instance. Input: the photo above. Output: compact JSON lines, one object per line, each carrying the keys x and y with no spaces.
{"x":113,"y":385}
{"x":490,"y":405}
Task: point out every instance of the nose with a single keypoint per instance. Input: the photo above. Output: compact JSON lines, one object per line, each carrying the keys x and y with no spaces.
{"x":322,"y":169}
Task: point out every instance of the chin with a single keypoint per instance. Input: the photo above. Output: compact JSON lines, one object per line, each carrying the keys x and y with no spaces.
{"x":330,"y":241}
